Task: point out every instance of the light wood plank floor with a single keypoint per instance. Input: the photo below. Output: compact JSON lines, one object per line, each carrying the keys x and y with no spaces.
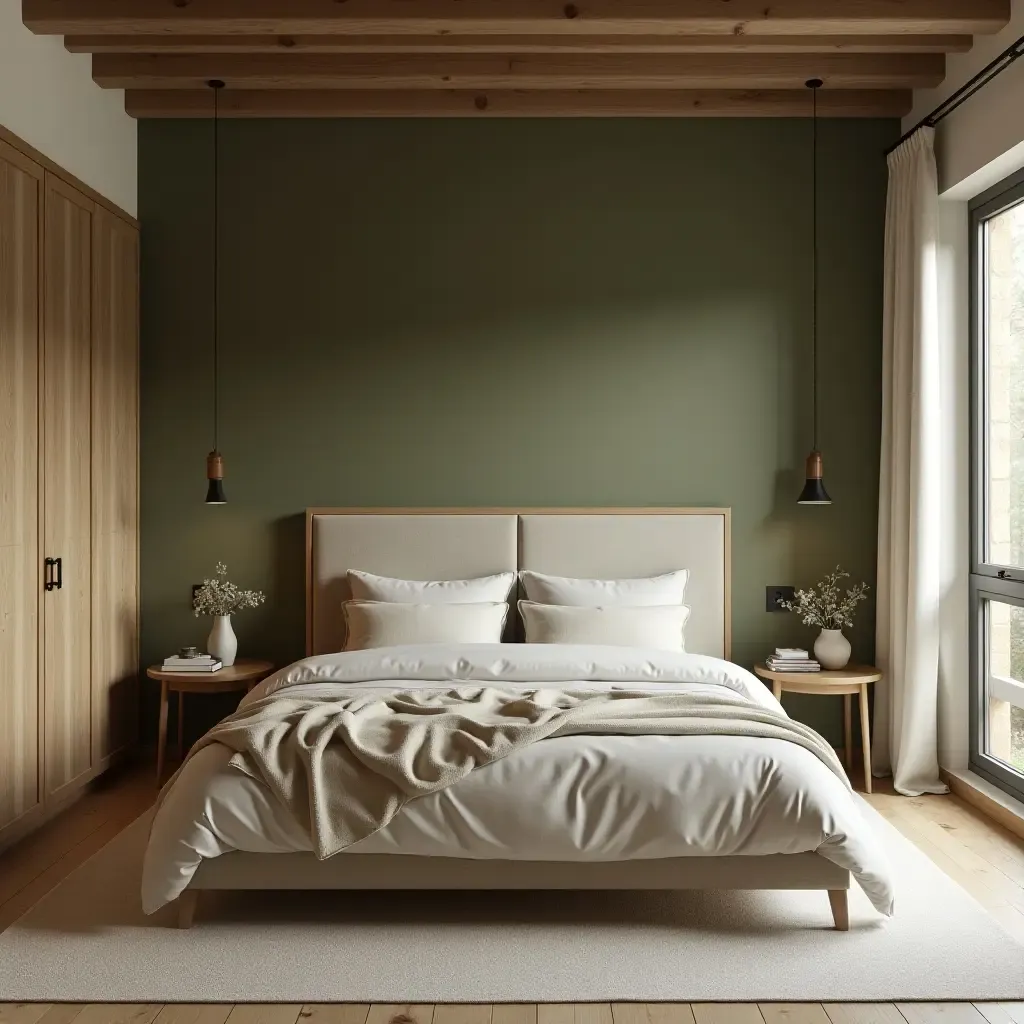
{"x":518,"y":1013}
{"x":977,"y":853}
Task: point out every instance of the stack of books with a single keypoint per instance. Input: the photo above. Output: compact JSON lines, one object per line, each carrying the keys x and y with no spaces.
{"x":200,"y":663}
{"x":792,"y":659}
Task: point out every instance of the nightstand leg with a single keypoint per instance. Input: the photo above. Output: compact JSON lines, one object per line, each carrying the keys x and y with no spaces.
{"x":865,"y":735}
{"x":777,"y":689}
{"x":161,"y":742}
{"x":848,"y":728}
{"x":181,"y":725}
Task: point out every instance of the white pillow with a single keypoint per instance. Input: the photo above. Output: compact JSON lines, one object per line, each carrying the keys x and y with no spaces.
{"x":634,"y":593}
{"x":654,"y":626}
{"x":385,"y":623}
{"x":367,"y":587}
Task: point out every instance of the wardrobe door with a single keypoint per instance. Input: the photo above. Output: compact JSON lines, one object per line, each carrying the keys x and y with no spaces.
{"x":20,"y":565}
{"x":66,"y":466}
{"x":115,"y":275}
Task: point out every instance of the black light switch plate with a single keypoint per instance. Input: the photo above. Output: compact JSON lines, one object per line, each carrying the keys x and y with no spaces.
{"x":774,"y":596}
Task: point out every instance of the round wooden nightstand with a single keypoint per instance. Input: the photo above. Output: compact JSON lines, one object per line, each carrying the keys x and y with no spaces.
{"x":846,"y":681}
{"x":243,"y":675}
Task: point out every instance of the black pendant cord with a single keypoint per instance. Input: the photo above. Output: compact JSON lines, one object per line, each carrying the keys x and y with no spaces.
{"x":814,"y":84}
{"x":814,"y":492}
{"x":216,"y":86}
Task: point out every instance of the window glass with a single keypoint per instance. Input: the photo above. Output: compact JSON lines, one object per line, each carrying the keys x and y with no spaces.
{"x":1004,"y":375}
{"x":1004,"y":691}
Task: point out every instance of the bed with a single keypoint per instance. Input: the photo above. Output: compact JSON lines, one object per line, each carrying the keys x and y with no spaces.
{"x":572,"y":812}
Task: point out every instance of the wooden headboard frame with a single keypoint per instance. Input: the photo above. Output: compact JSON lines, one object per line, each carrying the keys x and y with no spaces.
{"x":725,"y":513}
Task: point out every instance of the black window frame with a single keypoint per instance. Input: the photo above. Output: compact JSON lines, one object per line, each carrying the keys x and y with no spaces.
{"x":988,"y":581}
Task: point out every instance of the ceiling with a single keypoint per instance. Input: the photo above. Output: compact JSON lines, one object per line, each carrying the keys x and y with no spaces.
{"x":627,"y":58}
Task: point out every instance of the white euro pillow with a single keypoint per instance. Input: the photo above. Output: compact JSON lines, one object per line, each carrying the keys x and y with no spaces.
{"x":389,"y":623}
{"x":655,"y":626}
{"x":665,"y":589}
{"x":485,"y":589}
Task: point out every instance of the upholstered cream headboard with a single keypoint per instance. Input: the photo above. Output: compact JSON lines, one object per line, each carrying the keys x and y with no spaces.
{"x":462,"y":543}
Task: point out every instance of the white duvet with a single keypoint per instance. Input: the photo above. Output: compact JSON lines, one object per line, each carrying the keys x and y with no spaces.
{"x":570,"y":798}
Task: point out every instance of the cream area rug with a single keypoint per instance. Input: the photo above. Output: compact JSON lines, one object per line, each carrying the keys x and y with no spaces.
{"x":88,"y":941}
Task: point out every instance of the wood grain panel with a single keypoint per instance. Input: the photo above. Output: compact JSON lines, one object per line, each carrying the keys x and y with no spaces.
{"x":512,"y":103}
{"x":194,"y":1013}
{"x":264,"y":1013}
{"x":793,"y":1013}
{"x":940,"y":1013}
{"x":652,"y":1013}
{"x":115,"y":517}
{"x":514,"y":1013}
{"x":65,"y":417}
{"x":986,"y":804}
{"x":118,"y":1013}
{"x":40,"y":158}
{"x":582,"y":43}
{"x":863,"y":1013}
{"x":462,"y":1013}
{"x":739,"y":17}
{"x":334,"y":1013}
{"x":20,"y":208}
{"x":24,"y":1013}
{"x":519,"y":71}
{"x":491,"y":57}
{"x":418,"y":1013}
{"x":726,"y":1013}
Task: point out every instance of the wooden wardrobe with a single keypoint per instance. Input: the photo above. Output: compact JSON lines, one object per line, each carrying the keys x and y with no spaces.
{"x":69,"y":267}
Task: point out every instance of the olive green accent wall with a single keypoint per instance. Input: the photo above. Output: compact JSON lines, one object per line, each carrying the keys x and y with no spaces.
{"x":556,"y":312}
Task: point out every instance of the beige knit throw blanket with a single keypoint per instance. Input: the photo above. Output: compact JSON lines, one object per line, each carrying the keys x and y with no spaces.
{"x":345,"y":766}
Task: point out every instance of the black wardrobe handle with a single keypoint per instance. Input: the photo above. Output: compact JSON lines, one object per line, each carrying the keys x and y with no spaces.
{"x":51,"y":582}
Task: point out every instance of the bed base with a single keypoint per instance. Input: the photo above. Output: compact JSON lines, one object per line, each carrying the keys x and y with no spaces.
{"x":397,"y":871}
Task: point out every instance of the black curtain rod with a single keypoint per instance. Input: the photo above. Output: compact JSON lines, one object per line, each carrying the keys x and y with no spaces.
{"x":966,"y":91}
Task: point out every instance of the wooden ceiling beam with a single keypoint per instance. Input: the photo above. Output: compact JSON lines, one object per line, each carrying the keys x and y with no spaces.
{"x":524,"y":71}
{"x":518,"y":44}
{"x":516,"y":17}
{"x":498,"y":103}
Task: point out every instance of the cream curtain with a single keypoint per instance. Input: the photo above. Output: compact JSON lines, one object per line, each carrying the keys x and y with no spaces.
{"x":909,"y":509}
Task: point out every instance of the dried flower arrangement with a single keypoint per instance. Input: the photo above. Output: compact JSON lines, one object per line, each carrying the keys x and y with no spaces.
{"x":825,"y":605}
{"x":217,"y":596}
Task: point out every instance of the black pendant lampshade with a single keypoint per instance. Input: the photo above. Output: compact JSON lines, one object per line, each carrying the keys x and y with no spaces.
{"x":215,"y":492}
{"x":214,"y":460}
{"x":215,"y":479}
{"x":814,"y":492}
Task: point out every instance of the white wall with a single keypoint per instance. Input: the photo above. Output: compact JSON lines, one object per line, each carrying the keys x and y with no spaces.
{"x":48,"y":98}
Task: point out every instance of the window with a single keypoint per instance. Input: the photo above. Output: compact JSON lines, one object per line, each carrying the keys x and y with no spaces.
{"x":997,"y":527}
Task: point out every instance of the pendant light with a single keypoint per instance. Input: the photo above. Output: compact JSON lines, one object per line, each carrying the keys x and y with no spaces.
{"x":814,"y":492}
{"x":214,"y":461}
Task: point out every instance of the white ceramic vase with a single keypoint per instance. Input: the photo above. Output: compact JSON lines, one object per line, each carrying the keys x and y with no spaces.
{"x":222,"y":642}
{"x":832,"y":649}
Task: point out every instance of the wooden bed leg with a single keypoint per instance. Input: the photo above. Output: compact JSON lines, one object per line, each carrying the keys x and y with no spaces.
{"x":187,"y":907}
{"x":839,"y":901}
